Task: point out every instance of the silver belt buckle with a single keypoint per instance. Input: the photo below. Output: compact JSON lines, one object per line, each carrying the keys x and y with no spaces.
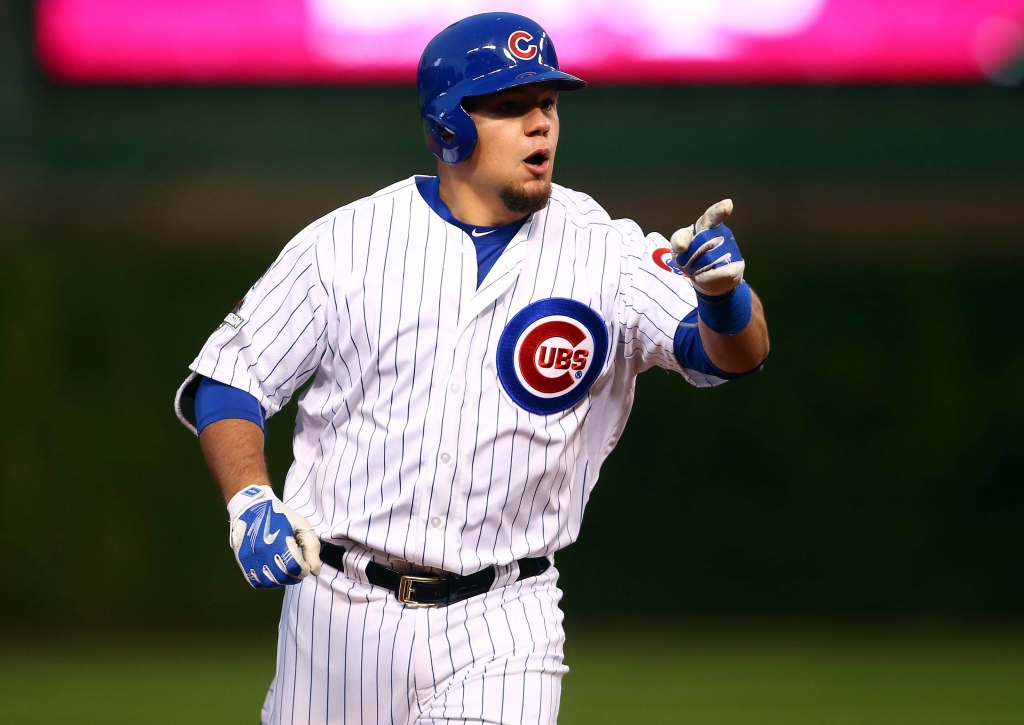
{"x":406,"y":591}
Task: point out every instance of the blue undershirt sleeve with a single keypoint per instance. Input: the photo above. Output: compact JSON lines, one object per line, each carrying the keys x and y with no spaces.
{"x":690,"y":352}
{"x":217,"y":401}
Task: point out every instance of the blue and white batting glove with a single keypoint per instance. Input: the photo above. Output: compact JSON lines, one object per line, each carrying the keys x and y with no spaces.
{"x":273,"y":545}
{"x":708,"y":253}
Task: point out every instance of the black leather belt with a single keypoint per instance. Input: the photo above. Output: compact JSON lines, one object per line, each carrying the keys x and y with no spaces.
{"x":429,"y":589}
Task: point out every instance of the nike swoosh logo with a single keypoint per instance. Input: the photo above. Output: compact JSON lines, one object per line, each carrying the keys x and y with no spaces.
{"x":269,"y":538}
{"x":484,"y":234}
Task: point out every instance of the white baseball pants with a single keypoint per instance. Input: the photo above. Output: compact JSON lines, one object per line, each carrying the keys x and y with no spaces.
{"x":349,"y":653}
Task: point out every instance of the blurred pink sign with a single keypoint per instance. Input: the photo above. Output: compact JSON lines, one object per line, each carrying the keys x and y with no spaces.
{"x":610,"y":41}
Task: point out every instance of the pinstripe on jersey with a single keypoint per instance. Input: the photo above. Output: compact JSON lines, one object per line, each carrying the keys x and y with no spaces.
{"x":406,"y":442}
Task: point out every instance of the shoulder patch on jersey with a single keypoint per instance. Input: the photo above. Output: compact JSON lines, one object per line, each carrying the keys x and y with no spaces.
{"x":664,"y":258}
{"x":550,"y":354}
{"x":234,"y":320}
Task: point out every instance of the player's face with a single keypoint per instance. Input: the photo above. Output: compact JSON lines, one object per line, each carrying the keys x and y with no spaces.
{"x":517,"y":133}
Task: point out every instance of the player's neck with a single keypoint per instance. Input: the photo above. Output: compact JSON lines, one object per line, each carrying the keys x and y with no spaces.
{"x":471,"y":204}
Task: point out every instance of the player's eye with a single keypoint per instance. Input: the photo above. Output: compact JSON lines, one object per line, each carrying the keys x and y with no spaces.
{"x":508,"y":107}
{"x":547,"y":104}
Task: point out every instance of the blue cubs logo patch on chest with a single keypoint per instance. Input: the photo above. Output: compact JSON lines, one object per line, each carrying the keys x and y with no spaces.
{"x":551,"y":353}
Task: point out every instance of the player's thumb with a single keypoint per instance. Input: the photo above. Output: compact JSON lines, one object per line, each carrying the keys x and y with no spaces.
{"x":681,"y":240}
{"x":306,"y":538}
{"x":715,"y":215}
{"x":310,"y":545}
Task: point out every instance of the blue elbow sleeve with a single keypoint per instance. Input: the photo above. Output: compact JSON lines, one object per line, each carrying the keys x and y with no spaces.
{"x":689,"y":349}
{"x":217,"y":401}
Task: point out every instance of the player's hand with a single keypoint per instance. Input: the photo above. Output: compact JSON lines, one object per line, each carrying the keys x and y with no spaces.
{"x":707,"y":252}
{"x":273,"y":545}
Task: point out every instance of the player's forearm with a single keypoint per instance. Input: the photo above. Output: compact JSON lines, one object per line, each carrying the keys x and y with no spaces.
{"x":234,"y":453}
{"x":742,"y":352}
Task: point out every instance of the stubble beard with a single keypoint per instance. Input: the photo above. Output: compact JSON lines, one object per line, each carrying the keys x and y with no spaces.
{"x":518,"y":200}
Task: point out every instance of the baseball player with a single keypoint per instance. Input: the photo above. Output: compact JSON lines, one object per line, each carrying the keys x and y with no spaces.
{"x":470,"y":343}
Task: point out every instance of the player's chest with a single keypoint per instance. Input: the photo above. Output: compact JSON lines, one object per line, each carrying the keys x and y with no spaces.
{"x":541,"y":324}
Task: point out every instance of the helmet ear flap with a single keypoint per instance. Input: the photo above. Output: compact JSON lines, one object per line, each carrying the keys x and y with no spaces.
{"x":451,"y":137}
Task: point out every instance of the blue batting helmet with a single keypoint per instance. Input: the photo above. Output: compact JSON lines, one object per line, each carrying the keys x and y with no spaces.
{"x":478,"y":55}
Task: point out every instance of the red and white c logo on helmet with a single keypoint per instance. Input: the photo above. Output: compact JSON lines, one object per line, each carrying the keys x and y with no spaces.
{"x":516,"y":45}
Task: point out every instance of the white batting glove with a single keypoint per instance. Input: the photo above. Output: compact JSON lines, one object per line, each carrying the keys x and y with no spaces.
{"x":707,"y":252}
{"x":273,"y":545}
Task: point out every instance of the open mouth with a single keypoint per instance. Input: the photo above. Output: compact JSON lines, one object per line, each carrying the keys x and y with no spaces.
{"x":538,"y":160}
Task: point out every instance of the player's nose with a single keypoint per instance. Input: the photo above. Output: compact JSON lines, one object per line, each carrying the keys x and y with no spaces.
{"x":536,"y":122}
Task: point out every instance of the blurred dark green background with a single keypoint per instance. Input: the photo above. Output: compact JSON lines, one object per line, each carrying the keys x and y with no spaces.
{"x":873,"y":470}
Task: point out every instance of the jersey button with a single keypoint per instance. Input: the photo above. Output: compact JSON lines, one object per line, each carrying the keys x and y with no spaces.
{"x":445,"y":458}
{"x":435,"y":522}
{"x":456,"y":388}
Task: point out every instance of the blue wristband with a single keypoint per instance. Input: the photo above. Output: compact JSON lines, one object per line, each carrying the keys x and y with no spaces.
{"x":727,"y":314}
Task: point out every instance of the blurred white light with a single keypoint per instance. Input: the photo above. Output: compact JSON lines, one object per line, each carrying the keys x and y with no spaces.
{"x":999,"y":50}
{"x":583,"y":30}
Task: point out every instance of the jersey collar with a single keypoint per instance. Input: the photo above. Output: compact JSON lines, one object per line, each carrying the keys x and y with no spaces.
{"x":428,"y":187}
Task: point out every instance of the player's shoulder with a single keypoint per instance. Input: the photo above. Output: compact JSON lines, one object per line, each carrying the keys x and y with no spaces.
{"x":323,"y":233}
{"x":581,"y":208}
{"x":583,"y":211}
{"x":386,"y":196}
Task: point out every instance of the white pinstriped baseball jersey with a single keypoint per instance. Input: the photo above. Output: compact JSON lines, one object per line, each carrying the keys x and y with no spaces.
{"x":447,"y":425}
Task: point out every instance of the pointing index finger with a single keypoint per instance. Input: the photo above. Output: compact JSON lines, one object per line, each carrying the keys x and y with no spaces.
{"x":715,"y":215}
